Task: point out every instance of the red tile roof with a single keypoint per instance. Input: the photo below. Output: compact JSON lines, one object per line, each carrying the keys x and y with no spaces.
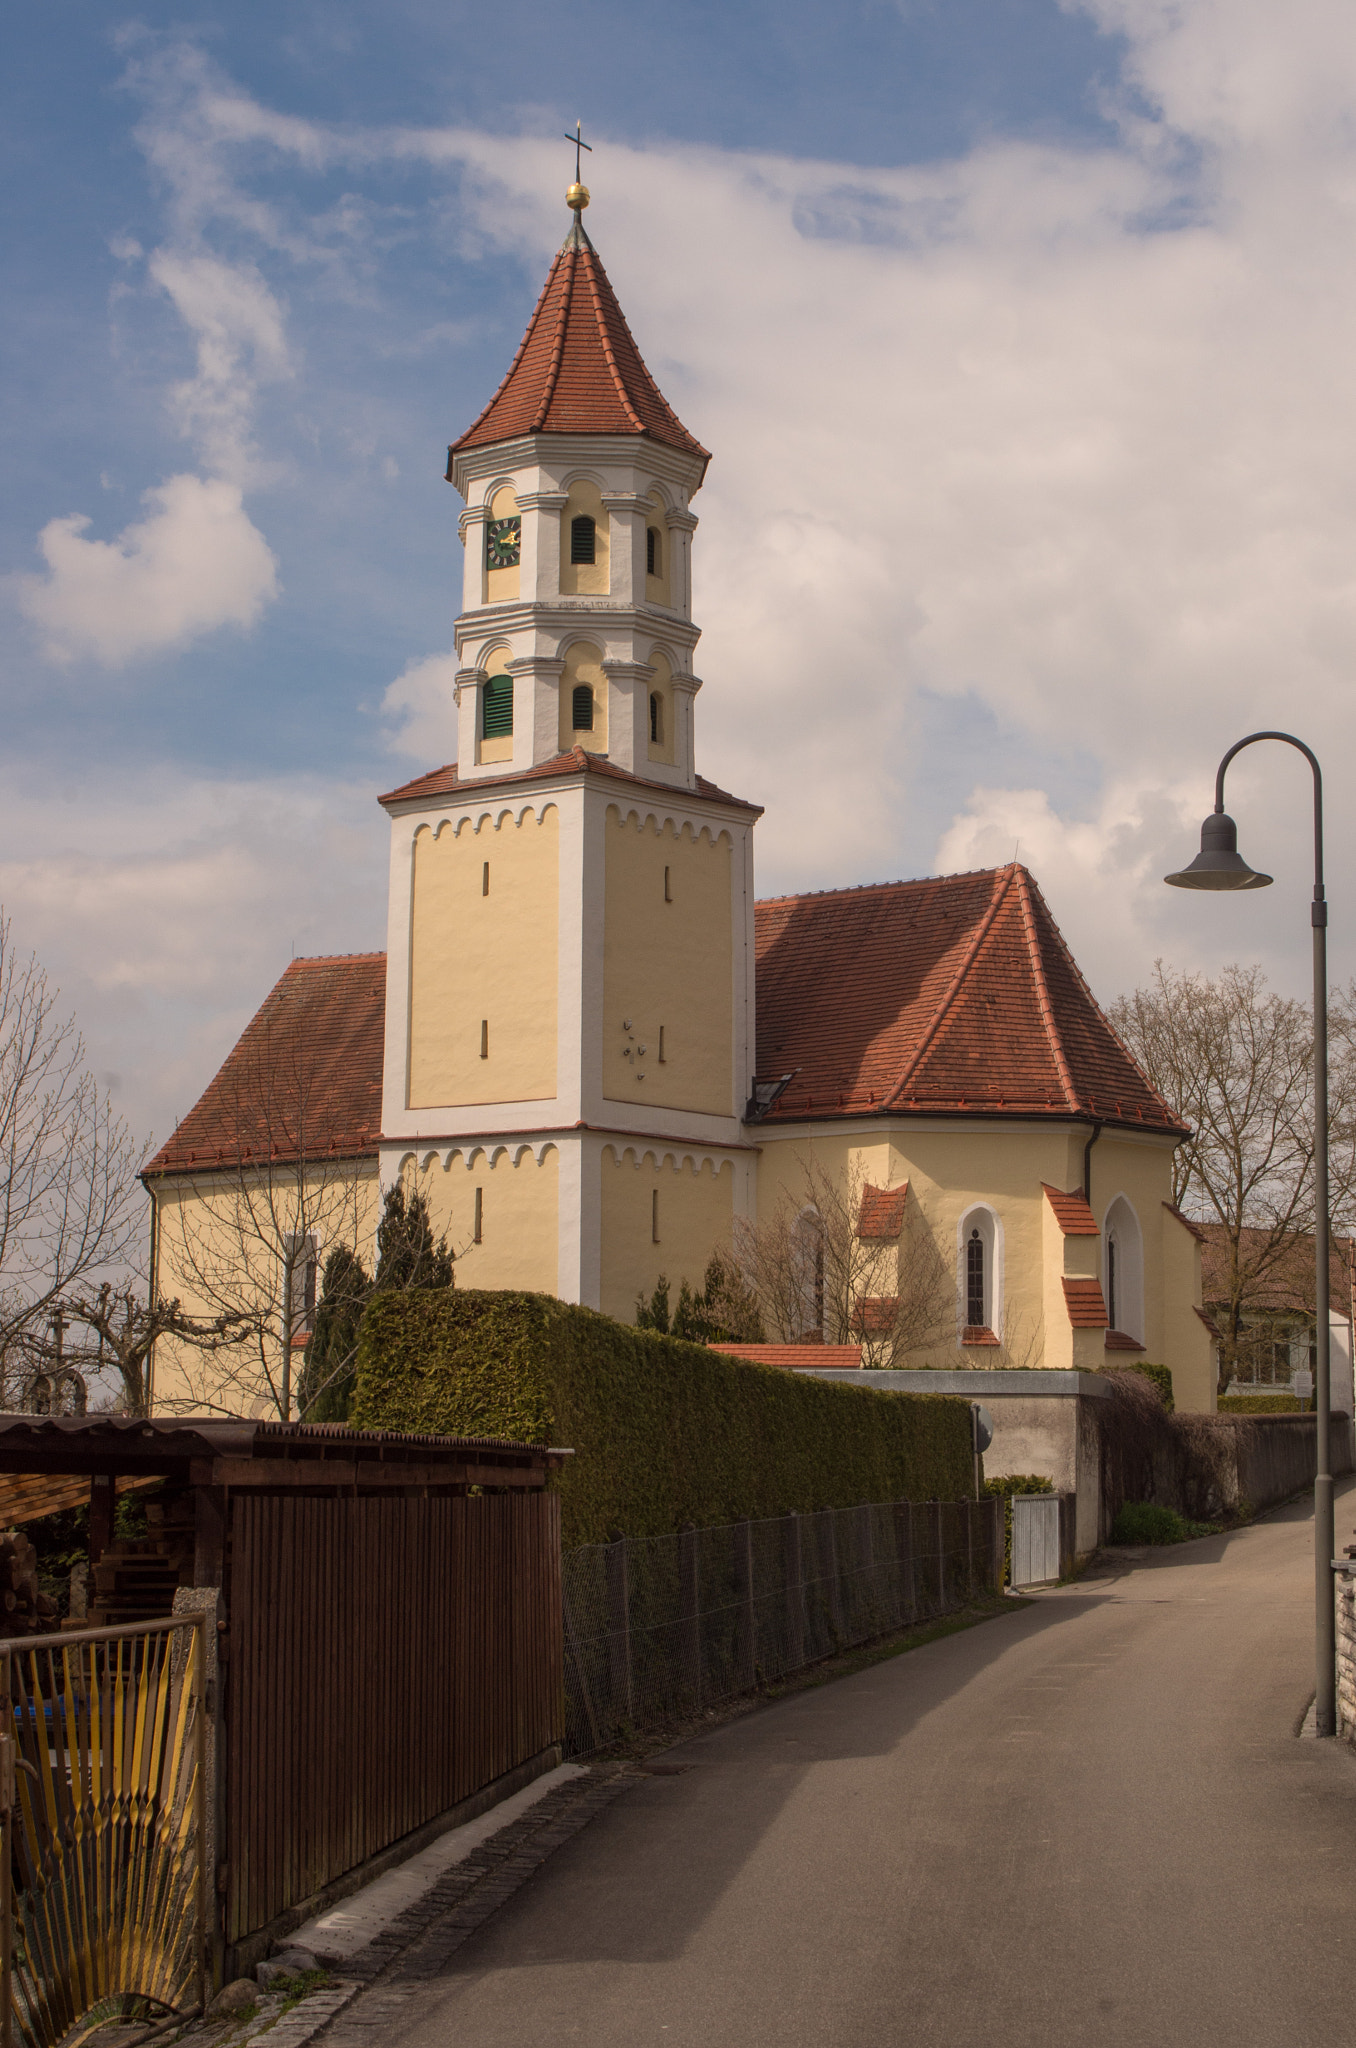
{"x":1116,"y":1340}
{"x":797,"y":1357}
{"x":304,"y":1079}
{"x":576,"y":761}
{"x":1072,"y":1213}
{"x":578,"y":370}
{"x":977,"y":1333}
{"x":952,"y":995}
{"x":882,"y":1212}
{"x":1195,"y":1228}
{"x":1083,"y":1299}
{"x":1280,"y":1277}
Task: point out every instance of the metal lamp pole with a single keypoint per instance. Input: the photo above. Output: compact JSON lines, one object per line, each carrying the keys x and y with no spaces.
{"x":1219,"y":865}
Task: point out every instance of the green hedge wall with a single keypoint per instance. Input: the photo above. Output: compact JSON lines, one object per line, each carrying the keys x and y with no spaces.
{"x":1259,"y":1404}
{"x":663,"y":1432}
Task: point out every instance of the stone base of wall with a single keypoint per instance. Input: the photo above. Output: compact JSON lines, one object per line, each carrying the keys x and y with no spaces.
{"x":1346,"y":1657}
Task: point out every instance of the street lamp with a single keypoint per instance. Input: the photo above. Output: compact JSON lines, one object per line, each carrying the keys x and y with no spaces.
{"x":1219,"y":865}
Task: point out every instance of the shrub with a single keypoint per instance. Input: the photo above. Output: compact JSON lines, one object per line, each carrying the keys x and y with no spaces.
{"x":1259,"y":1404}
{"x":1161,"y":1375}
{"x":1142,"y":1521}
{"x":664,"y":1432}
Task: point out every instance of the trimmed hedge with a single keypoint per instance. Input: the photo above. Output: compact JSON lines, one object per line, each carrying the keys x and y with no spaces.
{"x":1161,"y":1375}
{"x":1259,"y":1404}
{"x":664,"y":1432}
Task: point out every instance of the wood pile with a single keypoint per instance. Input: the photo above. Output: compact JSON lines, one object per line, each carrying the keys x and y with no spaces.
{"x":24,"y":1611}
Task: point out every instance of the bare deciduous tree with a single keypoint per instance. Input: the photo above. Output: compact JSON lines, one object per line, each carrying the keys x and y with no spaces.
{"x":1235,"y":1060}
{"x":70,"y":1205}
{"x":820,"y":1278}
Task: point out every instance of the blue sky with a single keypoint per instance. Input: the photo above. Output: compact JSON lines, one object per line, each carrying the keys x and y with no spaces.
{"x":1021,"y":335}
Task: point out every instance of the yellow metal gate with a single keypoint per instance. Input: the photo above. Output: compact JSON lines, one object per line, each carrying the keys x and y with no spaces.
{"x":103,"y":1814}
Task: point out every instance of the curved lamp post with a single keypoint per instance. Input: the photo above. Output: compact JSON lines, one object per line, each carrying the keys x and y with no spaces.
{"x":1220,"y":865}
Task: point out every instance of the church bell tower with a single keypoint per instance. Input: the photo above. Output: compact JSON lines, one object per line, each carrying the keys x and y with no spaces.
{"x":569,"y":1027}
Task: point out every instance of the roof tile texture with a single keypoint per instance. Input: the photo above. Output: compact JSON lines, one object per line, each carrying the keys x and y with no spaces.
{"x":956,"y":994}
{"x":578,"y":370}
{"x":304,"y":1080}
{"x":1083,"y":1299}
{"x":881,"y":1215}
{"x":798,"y":1357}
{"x":575,"y":761}
{"x":1072,"y":1213}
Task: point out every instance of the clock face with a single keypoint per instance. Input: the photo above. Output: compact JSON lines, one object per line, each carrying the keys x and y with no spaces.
{"x":503,"y":541}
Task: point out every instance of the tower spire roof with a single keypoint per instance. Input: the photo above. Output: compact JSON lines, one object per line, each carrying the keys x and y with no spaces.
{"x":578,"y":370}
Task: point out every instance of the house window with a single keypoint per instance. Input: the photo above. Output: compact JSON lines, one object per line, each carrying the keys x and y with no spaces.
{"x":581,"y":708}
{"x":496,"y":717}
{"x":975,"y":1290}
{"x":478,"y":1228}
{"x":583,"y":539}
{"x":302,"y":1261}
{"x":652,"y":555}
{"x":656,"y":719}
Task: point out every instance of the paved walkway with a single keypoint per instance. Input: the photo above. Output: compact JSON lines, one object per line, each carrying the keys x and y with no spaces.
{"x":1086,"y":1822}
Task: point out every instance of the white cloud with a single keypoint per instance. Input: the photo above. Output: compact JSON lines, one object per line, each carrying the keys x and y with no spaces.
{"x":422,"y":709}
{"x":238,"y":326}
{"x":195,"y":563}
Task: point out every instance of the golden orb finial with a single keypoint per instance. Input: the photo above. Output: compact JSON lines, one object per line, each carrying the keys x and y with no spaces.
{"x":577,"y":197}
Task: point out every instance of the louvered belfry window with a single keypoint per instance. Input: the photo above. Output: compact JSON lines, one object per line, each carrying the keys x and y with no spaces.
{"x":581,"y":713}
{"x":583,"y":539}
{"x":497,"y":712}
{"x":974,"y":1281}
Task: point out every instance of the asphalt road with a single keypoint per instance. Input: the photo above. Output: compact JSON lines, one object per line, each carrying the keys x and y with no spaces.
{"x":1089,"y":1821}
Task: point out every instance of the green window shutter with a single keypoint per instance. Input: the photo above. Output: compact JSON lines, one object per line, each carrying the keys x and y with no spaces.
{"x":581,"y":711}
{"x":583,"y":539}
{"x":496,"y":721}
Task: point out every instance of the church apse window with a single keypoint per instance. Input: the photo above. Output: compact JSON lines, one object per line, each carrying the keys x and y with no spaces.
{"x":581,"y":706}
{"x":583,"y":539}
{"x":497,"y":708}
{"x":974,"y":1281}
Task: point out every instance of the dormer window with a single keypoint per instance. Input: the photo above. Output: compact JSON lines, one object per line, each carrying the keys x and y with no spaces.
{"x":583,"y":539}
{"x":496,"y":719}
{"x":653,"y":558}
{"x":581,"y":702}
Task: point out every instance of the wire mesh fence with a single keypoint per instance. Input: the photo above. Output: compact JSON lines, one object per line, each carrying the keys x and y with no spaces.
{"x":659,"y":1627}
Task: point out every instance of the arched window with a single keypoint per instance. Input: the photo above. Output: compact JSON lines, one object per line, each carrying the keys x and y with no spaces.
{"x":653,"y":558}
{"x":979,"y":1305}
{"x":583,"y":539}
{"x":656,"y":719}
{"x":496,"y":718}
{"x":581,"y":708}
{"x":976,"y":1291}
{"x":1123,"y":1270}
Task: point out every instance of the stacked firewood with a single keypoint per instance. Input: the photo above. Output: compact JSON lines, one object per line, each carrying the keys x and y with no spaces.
{"x":24,"y":1611}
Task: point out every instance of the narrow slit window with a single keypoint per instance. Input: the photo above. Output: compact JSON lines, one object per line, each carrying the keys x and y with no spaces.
{"x":652,"y":554}
{"x":663,"y":1061}
{"x":478,"y":1230}
{"x":484,"y":1038}
{"x":485,"y":879}
{"x":656,"y":719}
{"x":668,"y":891}
{"x":974,"y":1281}
{"x":583,"y":539}
{"x":496,"y":720}
{"x":1111,"y":1282}
{"x":654,"y":1216}
{"x":581,"y":708}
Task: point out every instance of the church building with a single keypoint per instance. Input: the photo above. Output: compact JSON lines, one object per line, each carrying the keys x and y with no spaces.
{"x":596,"y":1052}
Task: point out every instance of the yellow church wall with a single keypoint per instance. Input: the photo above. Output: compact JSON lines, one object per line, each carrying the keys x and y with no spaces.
{"x":519,"y":1208}
{"x":483,"y":962}
{"x":583,"y":665}
{"x":668,"y":967}
{"x":1187,"y":1345}
{"x":501,"y":585}
{"x":694,"y":1214}
{"x":585,"y":579}
{"x":217,"y":1243}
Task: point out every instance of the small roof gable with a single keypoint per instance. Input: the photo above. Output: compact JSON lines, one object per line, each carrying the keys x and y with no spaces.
{"x":881,"y":1215}
{"x":952,"y":995}
{"x":304,"y":1079}
{"x":578,"y":370}
{"x":1072,"y":1213}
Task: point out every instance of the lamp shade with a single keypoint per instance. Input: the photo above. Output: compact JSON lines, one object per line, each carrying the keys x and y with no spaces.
{"x":1219,"y":864}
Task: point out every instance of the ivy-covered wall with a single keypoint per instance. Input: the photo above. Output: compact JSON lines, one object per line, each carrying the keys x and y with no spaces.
{"x":664,"y":1432}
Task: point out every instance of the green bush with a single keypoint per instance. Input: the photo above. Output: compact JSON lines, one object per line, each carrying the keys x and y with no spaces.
{"x":1161,"y":1375}
{"x":1259,"y":1404}
{"x":1141,"y":1521}
{"x":664,"y":1432}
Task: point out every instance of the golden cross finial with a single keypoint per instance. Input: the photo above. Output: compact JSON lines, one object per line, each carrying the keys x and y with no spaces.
{"x":578,"y":195}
